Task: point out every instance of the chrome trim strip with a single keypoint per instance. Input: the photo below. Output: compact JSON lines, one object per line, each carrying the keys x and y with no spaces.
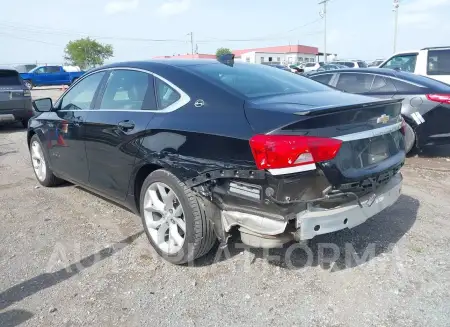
{"x":292,"y":170}
{"x":184,"y":98}
{"x":370,"y":133}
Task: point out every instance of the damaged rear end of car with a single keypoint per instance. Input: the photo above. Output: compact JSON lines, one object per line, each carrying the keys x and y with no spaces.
{"x":317,"y":168}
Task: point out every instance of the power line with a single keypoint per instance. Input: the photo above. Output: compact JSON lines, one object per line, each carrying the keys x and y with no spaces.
{"x":28,"y":39}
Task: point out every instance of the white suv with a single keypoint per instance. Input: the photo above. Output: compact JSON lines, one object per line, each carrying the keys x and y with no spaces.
{"x":430,"y":62}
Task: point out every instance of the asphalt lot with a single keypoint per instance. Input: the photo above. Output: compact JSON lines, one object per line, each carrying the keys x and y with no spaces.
{"x":70,"y":258}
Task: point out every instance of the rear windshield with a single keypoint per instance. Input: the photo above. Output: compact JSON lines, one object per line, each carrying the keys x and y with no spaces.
{"x":438,"y":62}
{"x":431,"y":83}
{"x":255,"y":80}
{"x":9,"y":77}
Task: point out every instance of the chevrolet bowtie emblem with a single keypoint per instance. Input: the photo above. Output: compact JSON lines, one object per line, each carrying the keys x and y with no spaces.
{"x":383,"y":119}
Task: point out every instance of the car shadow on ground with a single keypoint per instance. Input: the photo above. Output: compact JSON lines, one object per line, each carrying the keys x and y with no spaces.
{"x":9,"y":128}
{"x":340,"y":250}
{"x":434,"y":151}
{"x":14,"y":317}
{"x":36,"y":284}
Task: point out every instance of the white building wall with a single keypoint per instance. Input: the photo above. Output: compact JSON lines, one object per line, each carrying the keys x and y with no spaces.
{"x":283,"y":58}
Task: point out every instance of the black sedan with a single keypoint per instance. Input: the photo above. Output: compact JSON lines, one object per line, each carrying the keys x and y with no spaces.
{"x":426,"y":102}
{"x":199,"y":148}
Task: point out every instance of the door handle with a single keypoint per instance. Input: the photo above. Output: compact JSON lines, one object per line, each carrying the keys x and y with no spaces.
{"x":126,"y":125}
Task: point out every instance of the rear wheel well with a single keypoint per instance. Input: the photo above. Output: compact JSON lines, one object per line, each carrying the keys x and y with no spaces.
{"x":141,"y":175}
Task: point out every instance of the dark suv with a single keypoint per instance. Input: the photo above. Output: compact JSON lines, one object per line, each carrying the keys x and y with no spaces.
{"x":15,"y":98}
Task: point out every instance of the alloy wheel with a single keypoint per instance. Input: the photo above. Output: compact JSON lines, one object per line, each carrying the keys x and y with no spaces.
{"x":38,"y":160}
{"x":164,"y":218}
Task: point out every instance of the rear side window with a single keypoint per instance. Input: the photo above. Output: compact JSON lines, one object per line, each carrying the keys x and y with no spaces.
{"x":254,"y":81}
{"x":53,"y":69}
{"x":355,"y":82}
{"x":324,"y":78}
{"x":438,"y":62}
{"x":165,"y":94}
{"x":383,"y":84}
{"x":362,"y":64}
{"x":129,"y":90}
{"x":9,"y":78}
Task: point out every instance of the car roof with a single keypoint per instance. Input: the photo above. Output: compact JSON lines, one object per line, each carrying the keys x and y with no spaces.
{"x":380,"y":71}
{"x":7,"y":68}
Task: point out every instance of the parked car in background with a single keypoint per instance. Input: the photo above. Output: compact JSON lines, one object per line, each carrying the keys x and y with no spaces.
{"x":326,"y":67}
{"x":296,"y":69}
{"x":351,"y":63}
{"x":51,"y":75}
{"x":430,"y":62}
{"x":199,"y":150}
{"x":15,"y":98}
{"x":278,"y":66}
{"x":425,"y":106}
{"x":376,"y":63}
{"x":24,"y":68}
{"x":309,"y":66}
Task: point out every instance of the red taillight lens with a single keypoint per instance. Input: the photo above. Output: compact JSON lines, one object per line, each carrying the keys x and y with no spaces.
{"x":283,"y":151}
{"x":442,"y":98}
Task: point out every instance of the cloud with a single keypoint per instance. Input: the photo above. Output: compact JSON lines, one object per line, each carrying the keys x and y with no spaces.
{"x":174,"y":7}
{"x":420,"y":11}
{"x":118,"y":6}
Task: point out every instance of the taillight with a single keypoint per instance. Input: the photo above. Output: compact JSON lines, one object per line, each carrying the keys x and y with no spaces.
{"x":442,"y":98}
{"x":285,"y":151}
{"x":26,"y":93}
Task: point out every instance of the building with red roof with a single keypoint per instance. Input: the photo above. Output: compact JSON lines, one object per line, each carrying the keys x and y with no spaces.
{"x":284,"y":54}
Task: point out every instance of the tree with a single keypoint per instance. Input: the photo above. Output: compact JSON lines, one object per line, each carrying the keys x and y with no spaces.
{"x":222,"y":51}
{"x":87,"y":53}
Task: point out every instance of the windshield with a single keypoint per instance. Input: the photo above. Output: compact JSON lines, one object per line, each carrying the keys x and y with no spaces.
{"x":254,"y":80}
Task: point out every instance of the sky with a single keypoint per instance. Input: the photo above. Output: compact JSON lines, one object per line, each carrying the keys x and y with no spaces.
{"x":37,"y":31}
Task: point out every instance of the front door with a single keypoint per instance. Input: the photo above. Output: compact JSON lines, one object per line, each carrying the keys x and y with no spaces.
{"x":65,"y":130}
{"x":124,"y":109}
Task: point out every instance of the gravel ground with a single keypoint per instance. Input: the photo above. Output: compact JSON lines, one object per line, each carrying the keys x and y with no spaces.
{"x":70,"y":258}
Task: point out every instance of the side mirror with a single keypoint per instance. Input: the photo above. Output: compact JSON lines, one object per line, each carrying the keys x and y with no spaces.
{"x":43,"y":105}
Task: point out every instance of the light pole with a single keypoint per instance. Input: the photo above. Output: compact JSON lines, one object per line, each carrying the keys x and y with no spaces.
{"x":324,"y":15}
{"x":396,"y":5}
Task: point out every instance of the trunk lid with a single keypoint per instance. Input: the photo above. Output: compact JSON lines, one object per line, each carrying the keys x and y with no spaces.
{"x":12,"y":92}
{"x":370,"y":130}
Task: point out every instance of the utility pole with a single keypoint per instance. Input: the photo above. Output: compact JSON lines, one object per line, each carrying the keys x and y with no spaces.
{"x":324,"y":16}
{"x":192,"y":42}
{"x":396,"y":5}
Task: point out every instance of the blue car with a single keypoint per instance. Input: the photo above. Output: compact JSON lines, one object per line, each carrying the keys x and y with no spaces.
{"x":49,"y":75}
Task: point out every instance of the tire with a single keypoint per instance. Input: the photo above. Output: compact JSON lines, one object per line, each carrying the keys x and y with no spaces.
{"x":199,"y":236}
{"x":410,"y":139}
{"x":44,"y":174}
{"x":25,"y":122}
{"x":28,"y":84}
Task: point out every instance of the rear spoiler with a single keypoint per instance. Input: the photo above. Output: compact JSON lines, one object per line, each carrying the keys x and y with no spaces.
{"x":333,"y":108}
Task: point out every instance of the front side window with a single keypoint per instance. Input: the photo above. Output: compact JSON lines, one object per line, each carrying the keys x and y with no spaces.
{"x":40,"y":70}
{"x":257,"y":80}
{"x":355,"y":82}
{"x":406,"y":63}
{"x":165,"y":94}
{"x":438,"y":62}
{"x":80,"y":96}
{"x":129,"y":90}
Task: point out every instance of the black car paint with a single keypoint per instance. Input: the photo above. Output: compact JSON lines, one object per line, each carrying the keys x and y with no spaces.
{"x":199,"y":144}
{"x":435,"y":130}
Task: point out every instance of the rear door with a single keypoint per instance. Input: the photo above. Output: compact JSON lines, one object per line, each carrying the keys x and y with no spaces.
{"x":12,"y":96}
{"x":438,"y":65}
{"x":125,"y":107}
{"x":57,"y":76}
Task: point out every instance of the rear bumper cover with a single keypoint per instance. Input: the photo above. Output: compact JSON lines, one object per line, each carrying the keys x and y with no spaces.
{"x":16,"y":114}
{"x":319,"y":221}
